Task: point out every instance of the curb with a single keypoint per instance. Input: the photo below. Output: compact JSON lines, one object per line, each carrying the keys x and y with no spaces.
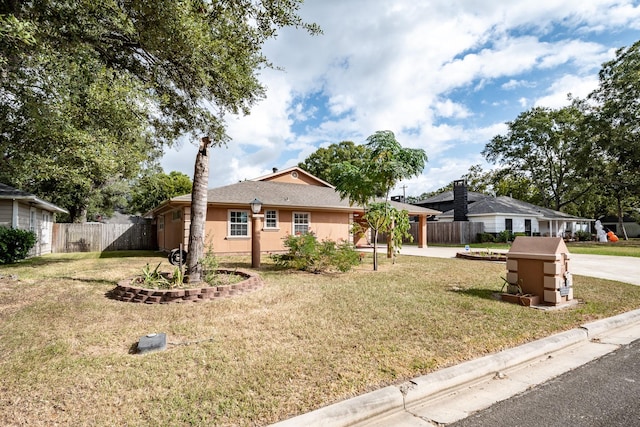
{"x":395,"y":398}
{"x":477,"y":369}
{"x":610,"y":323}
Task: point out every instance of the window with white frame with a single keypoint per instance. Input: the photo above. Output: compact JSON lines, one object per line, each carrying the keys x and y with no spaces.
{"x":32,"y":220}
{"x":46,"y":226}
{"x":301,"y":223}
{"x":176,"y":215}
{"x":270,"y":219}
{"x":161,"y":222}
{"x":238,"y":224}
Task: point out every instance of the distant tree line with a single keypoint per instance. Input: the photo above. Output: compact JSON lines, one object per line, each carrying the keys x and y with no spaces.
{"x":583,"y":159}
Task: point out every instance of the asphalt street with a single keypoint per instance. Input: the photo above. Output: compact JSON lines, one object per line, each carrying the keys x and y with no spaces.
{"x":604,"y":392}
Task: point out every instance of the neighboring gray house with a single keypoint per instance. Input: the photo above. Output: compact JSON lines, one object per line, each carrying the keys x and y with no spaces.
{"x":19,"y":209}
{"x":444,"y":201}
{"x":503,"y":213}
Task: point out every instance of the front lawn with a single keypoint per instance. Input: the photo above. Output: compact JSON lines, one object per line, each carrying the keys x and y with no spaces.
{"x":302,"y":342}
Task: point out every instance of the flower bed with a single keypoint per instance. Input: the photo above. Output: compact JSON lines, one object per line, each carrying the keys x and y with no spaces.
{"x":482,"y":256}
{"x":128,"y":292}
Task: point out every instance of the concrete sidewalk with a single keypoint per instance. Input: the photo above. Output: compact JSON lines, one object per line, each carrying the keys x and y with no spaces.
{"x":453,"y":393}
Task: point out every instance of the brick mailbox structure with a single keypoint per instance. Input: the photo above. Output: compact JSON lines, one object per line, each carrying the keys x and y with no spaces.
{"x":540,"y":266}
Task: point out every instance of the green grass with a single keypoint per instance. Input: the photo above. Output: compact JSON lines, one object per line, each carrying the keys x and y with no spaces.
{"x":301,"y":342}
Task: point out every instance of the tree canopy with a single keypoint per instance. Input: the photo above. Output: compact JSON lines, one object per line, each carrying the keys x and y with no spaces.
{"x":385,"y":163}
{"x":154,"y":186}
{"x":616,"y":111}
{"x":92,"y":90}
{"x":322,"y":162}
{"x":549,"y":148}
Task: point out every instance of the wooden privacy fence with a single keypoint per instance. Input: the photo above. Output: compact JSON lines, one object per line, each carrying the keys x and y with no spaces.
{"x":100,"y":237}
{"x":455,"y":233}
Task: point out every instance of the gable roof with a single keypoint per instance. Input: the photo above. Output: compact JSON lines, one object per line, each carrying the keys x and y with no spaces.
{"x":296,"y":172}
{"x":10,"y":193}
{"x":538,"y":245}
{"x":287,"y":195}
{"x":447,"y":196}
{"x":510,"y":206}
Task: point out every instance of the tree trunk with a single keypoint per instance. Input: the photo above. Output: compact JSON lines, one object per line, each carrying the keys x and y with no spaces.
{"x":390,"y":243}
{"x":620,"y":213}
{"x":198,"y":213}
{"x":375,"y":250}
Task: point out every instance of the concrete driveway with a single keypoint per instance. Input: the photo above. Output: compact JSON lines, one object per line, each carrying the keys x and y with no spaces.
{"x":623,"y":269}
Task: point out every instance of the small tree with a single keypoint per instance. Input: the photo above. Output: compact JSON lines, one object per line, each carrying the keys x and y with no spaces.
{"x":383,"y":218}
{"x":385,"y":163}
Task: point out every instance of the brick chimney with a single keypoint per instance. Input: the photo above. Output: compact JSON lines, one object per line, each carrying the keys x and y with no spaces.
{"x":460,"y":200}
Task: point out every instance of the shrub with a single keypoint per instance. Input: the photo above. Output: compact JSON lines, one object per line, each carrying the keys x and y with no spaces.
{"x":209,"y":264}
{"x":308,"y":254}
{"x":504,"y":237}
{"x":583,"y":236}
{"x":485,"y":238}
{"x":15,"y":244}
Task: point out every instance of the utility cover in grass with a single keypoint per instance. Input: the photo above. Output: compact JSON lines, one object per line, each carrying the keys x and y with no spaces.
{"x":152,"y":342}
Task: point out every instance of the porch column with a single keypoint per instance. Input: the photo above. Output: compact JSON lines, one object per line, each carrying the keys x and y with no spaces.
{"x":422,"y":231}
{"x":186,"y":226}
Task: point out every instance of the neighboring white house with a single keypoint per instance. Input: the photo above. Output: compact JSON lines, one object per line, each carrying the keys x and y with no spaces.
{"x":505,"y":213}
{"x":22,"y":210}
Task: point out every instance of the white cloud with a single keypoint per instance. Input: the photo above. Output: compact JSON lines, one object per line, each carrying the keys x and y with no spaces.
{"x":418,"y":66}
{"x":578,"y":87}
{"x":513,"y":84}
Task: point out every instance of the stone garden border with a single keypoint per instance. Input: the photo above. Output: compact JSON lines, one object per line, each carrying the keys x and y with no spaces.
{"x":127,"y":292}
{"x":482,"y":256}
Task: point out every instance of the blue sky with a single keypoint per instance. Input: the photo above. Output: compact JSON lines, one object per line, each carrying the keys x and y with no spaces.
{"x":443,"y":75}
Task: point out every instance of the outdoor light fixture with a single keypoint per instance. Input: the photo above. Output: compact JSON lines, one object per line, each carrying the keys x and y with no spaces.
{"x":256,"y":206}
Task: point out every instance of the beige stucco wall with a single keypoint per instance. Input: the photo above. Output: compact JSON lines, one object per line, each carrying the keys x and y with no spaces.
{"x":171,"y":236}
{"x":300,"y":178}
{"x":325,"y":225}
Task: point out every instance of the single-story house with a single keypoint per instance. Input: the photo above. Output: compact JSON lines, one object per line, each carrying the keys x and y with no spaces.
{"x":443,"y":202}
{"x":505,"y":213}
{"x":293,"y":201}
{"x":25,"y":211}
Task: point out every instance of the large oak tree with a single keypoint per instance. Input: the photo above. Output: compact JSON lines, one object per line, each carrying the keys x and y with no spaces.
{"x":187,"y":63}
{"x":551,"y":149}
